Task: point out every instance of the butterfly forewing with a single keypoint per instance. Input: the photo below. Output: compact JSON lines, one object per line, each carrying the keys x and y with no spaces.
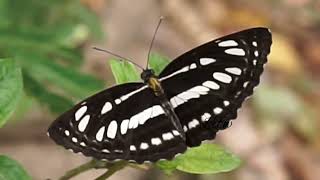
{"x":209,"y":83}
{"x":123,"y":122}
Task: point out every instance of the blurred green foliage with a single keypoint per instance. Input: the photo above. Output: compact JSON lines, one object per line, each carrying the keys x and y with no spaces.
{"x":12,"y":170}
{"x":280,"y":107}
{"x":44,"y":37}
{"x":10,"y":88}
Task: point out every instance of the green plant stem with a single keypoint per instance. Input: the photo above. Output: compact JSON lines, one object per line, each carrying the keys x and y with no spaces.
{"x":95,"y":164}
{"x":82,"y":168}
{"x":112,"y":169}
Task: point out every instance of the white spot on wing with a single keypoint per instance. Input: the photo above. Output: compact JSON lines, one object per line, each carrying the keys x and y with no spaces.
{"x":117,"y":101}
{"x":144,"y":145}
{"x":227,"y":43}
{"x":245,"y":84}
{"x":67,"y":133}
{"x":192,"y":124}
{"x":193,"y":66}
{"x":217,"y":110}
{"x":124,"y":126}
{"x":167,"y":136}
{"x":156,"y":141}
{"x":191,"y":93}
{"x":118,"y":151}
{"x":105,"y":151}
{"x":185,"y":129}
{"x":222,"y":77}
{"x":106,"y":108}
{"x":234,"y":70}
{"x":200,"y":90}
{"x":176,"y":133}
{"x":134,"y":120}
{"x":254,"y":43}
{"x":235,"y":51}
{"x":254,"y":62}
{"x":132,"y":148}
{"x":143,"y":116}
{"x":188,"y":95}
{"x":80,"y":112}
{"x":112,"y":129}
{"x":211,"y":85}
{"x":184,"y":69}
{"x":75,"y":140}
{"x":205,"y":117}
{"x":206,"y":61}
{"x":83,"y":123}
{"x":100,"y":133}
{"x":256,"y":53}
{"x":175,"y":101}
{"x":156,"y":111}
{"x":82,"y":144}
{"x":124,"y":97}
{"x":226,"y":103}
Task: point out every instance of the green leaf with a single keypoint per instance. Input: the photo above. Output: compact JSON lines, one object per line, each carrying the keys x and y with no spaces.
{"x":158,"y":62}
{"x":124,"y":71}
{"x":55,"y":102}
{"x":205,"y":159}
{"x":10,"y":88}
{"x":73,"y":82}
{"x":24,"y":105}
{"x":12,"y":170}
{"x":33,"y":39}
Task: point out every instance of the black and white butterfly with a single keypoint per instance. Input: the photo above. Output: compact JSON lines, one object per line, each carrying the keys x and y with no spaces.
{"x":195,"y":96}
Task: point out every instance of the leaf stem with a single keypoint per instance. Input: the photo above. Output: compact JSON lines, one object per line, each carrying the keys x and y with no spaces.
{"x":82,"y":168}
{"x":112,"y":169}
{"x":95,"y":164}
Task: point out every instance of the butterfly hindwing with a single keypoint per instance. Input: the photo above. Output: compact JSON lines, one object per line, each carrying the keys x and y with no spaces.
{"x":123,"y":122}
{"x":209,"y":83}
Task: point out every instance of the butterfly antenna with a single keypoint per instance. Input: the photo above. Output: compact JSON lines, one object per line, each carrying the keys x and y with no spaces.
{"x":153,"y":38}
{"x":121,"y":57}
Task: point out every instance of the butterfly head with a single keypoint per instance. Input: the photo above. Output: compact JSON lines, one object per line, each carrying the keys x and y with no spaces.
{"x":147,"y":74}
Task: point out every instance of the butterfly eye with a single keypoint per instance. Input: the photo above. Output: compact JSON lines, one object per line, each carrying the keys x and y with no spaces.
{"x":146,"y":74}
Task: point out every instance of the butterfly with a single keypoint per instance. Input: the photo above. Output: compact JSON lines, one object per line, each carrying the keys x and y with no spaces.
{"x":194,"y":97}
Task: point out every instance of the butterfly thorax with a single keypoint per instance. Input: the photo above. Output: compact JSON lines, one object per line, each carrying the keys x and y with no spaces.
{"x":152,"y":81}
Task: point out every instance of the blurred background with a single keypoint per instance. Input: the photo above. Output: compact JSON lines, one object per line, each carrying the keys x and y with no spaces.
{"x":277,"y":131}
